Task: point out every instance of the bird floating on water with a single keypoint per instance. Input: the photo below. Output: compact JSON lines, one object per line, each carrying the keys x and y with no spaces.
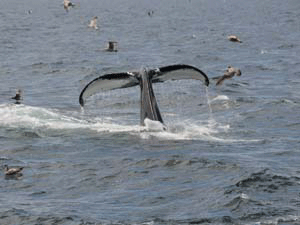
{"x":93,"y":23}
{"x":229,"y":73}
{"x":12,"y":171}
{"x":18,"y":96}
{"x":68,"y":4}
{"x":150,"y":13}
{"x":112,"y":46}
{"x":234,"y":38}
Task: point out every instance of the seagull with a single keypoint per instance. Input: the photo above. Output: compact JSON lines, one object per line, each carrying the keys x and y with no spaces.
{"x":229,"y":73}
{"x":68,"y":4}
{"x":93,"y":23}
{"x":234,"y":38}
{"x":12,"y":171}
{"x":18,"y":96}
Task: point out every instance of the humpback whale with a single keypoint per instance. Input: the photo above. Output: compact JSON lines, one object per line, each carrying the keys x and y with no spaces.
{"x":144,"y":78}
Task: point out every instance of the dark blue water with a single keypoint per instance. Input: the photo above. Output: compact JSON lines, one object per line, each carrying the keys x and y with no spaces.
{"x":232,"y":161}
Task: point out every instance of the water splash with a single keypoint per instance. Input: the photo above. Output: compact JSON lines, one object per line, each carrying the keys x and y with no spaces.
{"x":208,"y":102}
{"x":211,"y":121}
{"x":45,"y":120}
{"x":154,"y":125}
{"x":48,"y":122}
{"x":220,"y":98}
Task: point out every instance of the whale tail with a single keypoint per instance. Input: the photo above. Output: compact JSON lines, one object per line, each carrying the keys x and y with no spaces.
{"x":144,"y":78}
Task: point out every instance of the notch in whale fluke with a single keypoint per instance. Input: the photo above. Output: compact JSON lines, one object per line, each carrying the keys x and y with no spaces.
{"x":143,"y":78}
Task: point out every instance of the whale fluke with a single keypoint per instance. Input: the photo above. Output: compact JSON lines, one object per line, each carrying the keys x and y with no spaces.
{"x":143,"y":78}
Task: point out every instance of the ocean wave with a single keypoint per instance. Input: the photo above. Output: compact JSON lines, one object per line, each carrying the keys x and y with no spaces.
{"x":266,"y":181}
{"x":197,"y":163}
{"x":19,"y":216}
{"x":255,"y":197}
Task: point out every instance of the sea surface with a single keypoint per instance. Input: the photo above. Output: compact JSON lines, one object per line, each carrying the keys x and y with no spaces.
{"x":230,"y":154}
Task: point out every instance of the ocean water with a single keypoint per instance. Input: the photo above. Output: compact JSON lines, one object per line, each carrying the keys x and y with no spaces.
{"x":230,"y":154}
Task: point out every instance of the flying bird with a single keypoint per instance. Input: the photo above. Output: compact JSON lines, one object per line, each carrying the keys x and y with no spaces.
{"x":229,"y":73}
{"x":93,"y":23}
{"x":68,"y":4}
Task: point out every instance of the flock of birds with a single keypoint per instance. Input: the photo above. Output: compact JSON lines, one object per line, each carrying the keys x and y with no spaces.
{"x":112,"y":47}
{"x":229,"y":73}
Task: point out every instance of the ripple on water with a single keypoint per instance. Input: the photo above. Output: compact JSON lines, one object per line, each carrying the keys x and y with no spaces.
{"x":20,"y":216}
{"x":255,"y":197}
{"x":267,"y":182}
